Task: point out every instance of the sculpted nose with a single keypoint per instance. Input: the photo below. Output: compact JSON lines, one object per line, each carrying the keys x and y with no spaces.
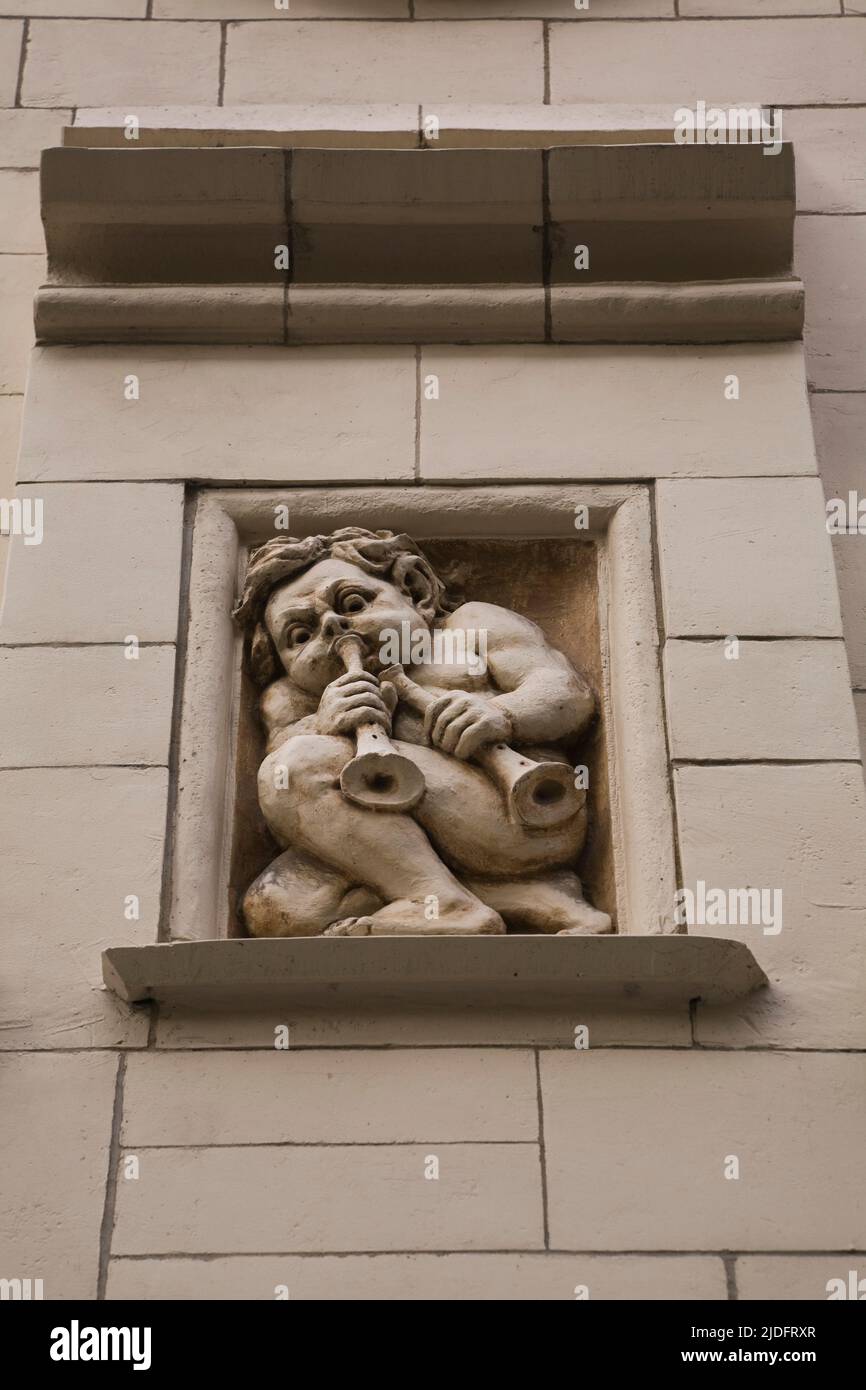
{"x":332,"y":625}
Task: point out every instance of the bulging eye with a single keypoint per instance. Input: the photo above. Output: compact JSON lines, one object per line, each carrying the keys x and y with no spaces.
{"x":297,"y":636}
{"x":353,"y":603}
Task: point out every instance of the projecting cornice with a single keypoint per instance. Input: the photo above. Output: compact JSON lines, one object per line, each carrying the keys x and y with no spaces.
{"x":252,"y":244}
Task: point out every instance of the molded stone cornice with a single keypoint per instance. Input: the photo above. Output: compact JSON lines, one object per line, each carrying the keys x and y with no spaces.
{"x":688,"y":243}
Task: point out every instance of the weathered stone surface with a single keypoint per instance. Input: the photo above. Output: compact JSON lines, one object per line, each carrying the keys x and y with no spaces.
{"x":108,"y":566}
{"x":860,"y":711}
{"x":692,"y":1111}
{"x":332,"y":1097}
{"x":98,"y":62}
{"x":82,"y":9}
{"x":543,"y":9}
{"x":396,"y":1278}
{"x":806,"y":61}
{"x":550,"y":1026}
{"x":796,"y":830}
{"x":778,"y":1277}
{"x":831,"y":158}
{"x":754,"y":9}
{"x":840,"y":427}
{"x":75,"y":844}
{"x":768,"y":700}
{"x":323,"y":125}
{"x":20,"y":227}
{"x":314,"y":415}
{"x":419,"y":62}
{"x":77,"y":706}
{"x":24,"y":134}
{"x":266,"y":9}
{"x":340,"y":1198}
{"x":508,"y":413}
{"x":56,"y":1131}
{"x":770,"y":534}
{"x":19,"y":278}
{"x":830,"y":252}
{"x":11,"y":32}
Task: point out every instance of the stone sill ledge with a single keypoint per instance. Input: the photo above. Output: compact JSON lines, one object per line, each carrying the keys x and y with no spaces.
{"x":650,"y":971}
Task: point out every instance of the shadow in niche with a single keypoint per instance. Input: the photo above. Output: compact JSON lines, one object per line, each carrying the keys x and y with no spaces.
{"x":553,"y":582}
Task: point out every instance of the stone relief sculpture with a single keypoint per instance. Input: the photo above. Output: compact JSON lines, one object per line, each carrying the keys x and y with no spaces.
{"x":415,"y":775}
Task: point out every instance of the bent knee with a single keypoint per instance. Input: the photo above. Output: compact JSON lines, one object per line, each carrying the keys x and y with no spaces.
{"x":303,"y":761}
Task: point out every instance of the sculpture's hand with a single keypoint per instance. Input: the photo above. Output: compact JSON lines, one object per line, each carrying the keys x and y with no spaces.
{"x":352,"y":700}
{"x":461,"y":723}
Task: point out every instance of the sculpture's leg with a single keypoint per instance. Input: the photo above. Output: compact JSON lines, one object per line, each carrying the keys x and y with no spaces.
{"x":552,"y":902}
{"x":388,"y":853}
{"x":299,"y":896}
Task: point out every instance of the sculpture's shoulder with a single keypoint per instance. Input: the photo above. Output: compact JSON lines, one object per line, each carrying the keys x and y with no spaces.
{"x":498,"y":622}
{"x":281,"y":705}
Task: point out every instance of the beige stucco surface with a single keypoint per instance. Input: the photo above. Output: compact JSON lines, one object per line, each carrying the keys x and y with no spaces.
{"x":225,"y":1126}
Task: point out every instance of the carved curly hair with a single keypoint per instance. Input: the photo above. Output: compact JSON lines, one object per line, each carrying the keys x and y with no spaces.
{"x":382,"y":553}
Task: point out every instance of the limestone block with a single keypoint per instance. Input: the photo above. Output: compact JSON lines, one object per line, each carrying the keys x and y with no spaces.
{"x":398,"y":216}
{"x":19,"y":278}
{"x":197,"y":216}
{"x":99,"y":62}
{"x":840,"y":424}
{"x":759,"y":700}
{"x":11,"y":34}
{"x":80,"y":706}
{"x":76,"y":845}
{"x":543,"y":9}
{"x":81,"y":9}
{"x":20,"y":226}
{"x":748,"y":558}
{"x":24,"y":134}
{"x":547,"y":1027}
{"x":830,"y":253}
{"x":265,"y":9}
{"x":797,"y":833}
{"x":620,"y":1125}
{"x":108,"y":566}
{"x":269,"y":414}
{"x":778,"y":1277}
{"x":331,"y":1097}
{"x":830,"y":149}
{"x":332,"y":1198}
{"x":11,"y":410}
{"x":506,"y":413}
{"x":378,"y":61}
{"x":754,"y":9}
{"x":323,"y":125}
{"x":56,"y":1131}
{"x":540,"y":125}
{"x":390,"y":1278}
{"x":724,"y":62}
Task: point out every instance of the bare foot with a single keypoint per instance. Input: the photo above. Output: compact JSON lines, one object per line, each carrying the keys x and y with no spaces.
{"x":552,"y":903}
{"x":405,"y":917}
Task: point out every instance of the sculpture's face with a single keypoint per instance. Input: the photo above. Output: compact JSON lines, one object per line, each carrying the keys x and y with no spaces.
{"x":305,"y":615}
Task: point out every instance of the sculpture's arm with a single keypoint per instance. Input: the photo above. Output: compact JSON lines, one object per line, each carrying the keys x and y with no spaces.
{"x":541,"y":693}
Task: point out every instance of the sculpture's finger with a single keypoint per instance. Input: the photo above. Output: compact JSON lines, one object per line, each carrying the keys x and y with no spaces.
{"x":470,"y":741}
{"x":457,"y":730}
{"x":455,"y":708}
{"x":432,"y":712}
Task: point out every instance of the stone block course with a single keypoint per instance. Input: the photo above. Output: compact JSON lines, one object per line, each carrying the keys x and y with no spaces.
{"x":85,"y":706}
{"x":331,"y":1097}
{"x":334,"y":1198}
{"x":75,"y":843}
{"x":100,"y":62}
{"x":618,"y":1126}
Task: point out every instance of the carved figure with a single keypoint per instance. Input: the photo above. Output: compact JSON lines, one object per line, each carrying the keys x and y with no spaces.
{"x":415,"y":773}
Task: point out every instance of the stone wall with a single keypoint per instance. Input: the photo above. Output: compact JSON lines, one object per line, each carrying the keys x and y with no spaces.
{"x":558,"y":1167}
